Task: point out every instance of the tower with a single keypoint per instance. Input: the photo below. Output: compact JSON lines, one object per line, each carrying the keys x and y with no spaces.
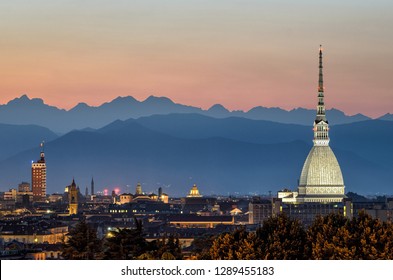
{"x":92,"y":186}
{"x":321,"y":179}
{"x":159,"y":193}
{"x":138,"y":189}
{"x":38,"y":177}
{"x":73,"y":199}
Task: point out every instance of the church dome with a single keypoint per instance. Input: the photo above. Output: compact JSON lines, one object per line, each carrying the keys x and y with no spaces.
{"x":321,"y":169}
{"x":194,"y":192}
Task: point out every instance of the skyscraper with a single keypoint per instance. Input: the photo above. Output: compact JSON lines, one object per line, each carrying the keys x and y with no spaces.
{"x":321,"y":179}
{"x":38,"y":177}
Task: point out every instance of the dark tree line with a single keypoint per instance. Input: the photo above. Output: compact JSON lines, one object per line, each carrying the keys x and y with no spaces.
{"x":331,"y":237}
{"x":119,"y":244}
{"x":279,"y":238}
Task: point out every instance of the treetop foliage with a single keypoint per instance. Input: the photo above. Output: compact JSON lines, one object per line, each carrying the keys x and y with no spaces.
{"x":331,"y":237}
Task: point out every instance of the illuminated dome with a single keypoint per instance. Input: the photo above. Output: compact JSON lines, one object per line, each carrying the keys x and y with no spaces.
{"x":321,"y":168}
{"x":321,"y":179}
{"x":194,"y":192}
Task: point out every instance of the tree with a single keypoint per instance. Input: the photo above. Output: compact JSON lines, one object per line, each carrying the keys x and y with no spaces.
{"x":371,"y":238}
{"x":201,"y":247}
{"x":82,"y":243}
{"x":329,"y":239}
{"x":238,"y":245}
{"x":336,"y":237}
{"x":281,"y":238}
{"x":248,"y":248}
{"x":223,"y":247}
{"x":167,"y":248}
{"x":126,"y":243}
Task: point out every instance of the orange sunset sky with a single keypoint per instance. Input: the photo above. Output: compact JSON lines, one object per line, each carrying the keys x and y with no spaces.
{"x":241,"y":54}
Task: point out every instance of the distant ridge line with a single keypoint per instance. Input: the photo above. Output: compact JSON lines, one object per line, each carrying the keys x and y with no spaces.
{"x":23,"y":110}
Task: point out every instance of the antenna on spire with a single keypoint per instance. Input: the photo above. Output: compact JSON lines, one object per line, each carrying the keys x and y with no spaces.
{"x":42,"y":153}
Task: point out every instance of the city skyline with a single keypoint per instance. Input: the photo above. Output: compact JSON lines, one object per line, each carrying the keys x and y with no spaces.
{"x":240,"y":55}
{"x":195,"y":130}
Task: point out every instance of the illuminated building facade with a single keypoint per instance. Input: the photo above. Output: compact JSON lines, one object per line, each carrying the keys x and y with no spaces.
{"x":38,"y":177}
{"x":194,"y":192}
{"x":321,"y":187}
{"x":321,"y":179}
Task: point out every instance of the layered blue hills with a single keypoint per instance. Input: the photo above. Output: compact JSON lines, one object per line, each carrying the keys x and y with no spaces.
{"x":221,"y":155}
{"x":17,"y":138}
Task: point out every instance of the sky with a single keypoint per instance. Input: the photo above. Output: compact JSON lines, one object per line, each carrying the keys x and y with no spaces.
{"x":239,"y":53}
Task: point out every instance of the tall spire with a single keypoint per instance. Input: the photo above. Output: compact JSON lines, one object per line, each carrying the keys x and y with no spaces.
{"x":321,"y":103}
{"x":321,"y":126}
{"x":92,"y":186}
{"x":320,"y":81}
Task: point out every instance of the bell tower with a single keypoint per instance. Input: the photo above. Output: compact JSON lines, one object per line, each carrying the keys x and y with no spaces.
{"x":73,"y":199}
